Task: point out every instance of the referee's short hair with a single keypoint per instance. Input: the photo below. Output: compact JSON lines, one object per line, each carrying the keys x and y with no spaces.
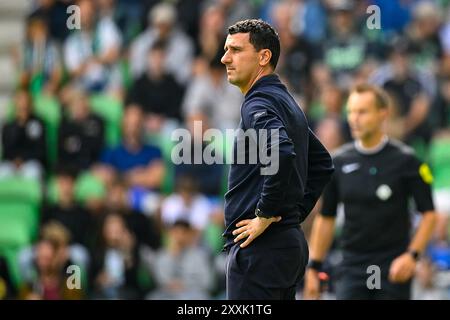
{"x":381,"y":97}
{"x":262,"y":36}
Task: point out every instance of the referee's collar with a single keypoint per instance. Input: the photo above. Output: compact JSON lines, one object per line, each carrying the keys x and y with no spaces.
{"x":360,"y":148}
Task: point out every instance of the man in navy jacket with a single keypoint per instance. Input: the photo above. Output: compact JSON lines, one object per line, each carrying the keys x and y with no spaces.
{"x":267,"y":251}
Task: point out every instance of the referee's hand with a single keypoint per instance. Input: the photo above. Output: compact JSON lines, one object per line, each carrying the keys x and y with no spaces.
{"x":402,"y":268}
{"x":251,"y":229}
{"x":311,"y":290}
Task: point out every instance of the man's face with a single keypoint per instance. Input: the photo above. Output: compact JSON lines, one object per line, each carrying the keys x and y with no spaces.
{"x":364,"y":117}
{"x":133,"y":122}
{"x":241,"y":59}
{"x":23,"y":107}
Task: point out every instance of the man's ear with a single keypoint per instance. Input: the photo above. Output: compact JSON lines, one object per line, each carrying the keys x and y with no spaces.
{"x":264,"y":57}
{"x":385,"y":113}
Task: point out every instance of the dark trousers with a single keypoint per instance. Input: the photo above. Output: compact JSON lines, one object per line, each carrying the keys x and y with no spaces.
{"x":357,"y":270}
{"x":270,"y":268}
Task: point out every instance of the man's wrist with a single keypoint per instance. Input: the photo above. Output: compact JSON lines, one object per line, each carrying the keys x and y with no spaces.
{"x":414,"y":254}
{"x":261,"y":214}
{"x":315,"y":265}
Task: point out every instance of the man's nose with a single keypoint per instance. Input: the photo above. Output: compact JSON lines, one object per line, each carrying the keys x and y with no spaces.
{"x":225,"y":59}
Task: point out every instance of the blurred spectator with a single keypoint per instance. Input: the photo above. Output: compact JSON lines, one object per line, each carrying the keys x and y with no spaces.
{"x":67,"y":254}
{"x":209,"y":177}
{"x":327,"y":116}
{"x":91,"y":53}
{"x":441,"y":105}
{"x":55,"y":13}
{"x":41,"y":65}
{"x":188,"y":16}
{"x":180,"y":48}
{"x":425,"y":284}
{"x":396,"y":14}
{"x":115,"y":261}
{"x":329,"y":132}
{"x":212,"y":34}
{"x":81,"y":133}
{"x":181,"y":270}
{"x":310,"y":20}
{"x":66,"y":211}
{"x":209,"y":98}
{"x":23,"y":141}
{"x":139,"y":164}
{"x":138,"y":207}
{"x":345,"y":50}
{"x":187,"y":204}
{"x":156,"y":91}
{"x":50,"y":282}
{"x":423,"y":32}
{"x":8,"y":290}
{"x":297,"y":54}
{"x":445,"y":35}
{"x":235,"y":10}
{"x":411,"y":90}
{"x":439,"y":155}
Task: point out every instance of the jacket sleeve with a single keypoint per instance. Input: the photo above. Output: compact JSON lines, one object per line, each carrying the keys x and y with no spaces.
{"x":320,"y":170}
{"x":279,"y":150}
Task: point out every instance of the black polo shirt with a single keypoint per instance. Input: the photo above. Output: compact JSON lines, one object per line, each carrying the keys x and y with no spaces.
{"x":25,"y":142}
{"x":80,"y":142}
{"x":375,"y":189}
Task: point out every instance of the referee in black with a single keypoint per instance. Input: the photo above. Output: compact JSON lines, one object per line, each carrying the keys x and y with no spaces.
{"x":374,"y":180}
{"x":267,"y":252}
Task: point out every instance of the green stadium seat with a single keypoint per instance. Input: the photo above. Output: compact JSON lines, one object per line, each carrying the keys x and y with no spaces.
{"x":88,"y":187}
{"x":18,"y":228}
{"x":11,"y":256}
{"x":17,"y":224}
{"x":439,"y":156}
{"x":49,"y":110}
{"x":110,"y":110}
{"x":212,"y":235}
{"x":22,"y":190}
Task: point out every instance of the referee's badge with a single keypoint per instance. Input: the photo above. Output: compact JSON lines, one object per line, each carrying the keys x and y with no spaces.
{"x":425,"y":173}
{"x":384,"y":192}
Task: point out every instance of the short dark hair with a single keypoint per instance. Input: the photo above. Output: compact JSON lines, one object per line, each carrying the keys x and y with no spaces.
{"x":381,"y":96}
{"x":262,"y":36}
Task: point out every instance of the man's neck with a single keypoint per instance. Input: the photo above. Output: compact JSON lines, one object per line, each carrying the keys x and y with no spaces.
{"x":261,"y":73}
{"x":373,"y":143}
{"x":132,"y":144}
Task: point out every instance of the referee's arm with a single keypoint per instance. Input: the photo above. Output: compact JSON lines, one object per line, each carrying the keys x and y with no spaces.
{"x":418,"y":181}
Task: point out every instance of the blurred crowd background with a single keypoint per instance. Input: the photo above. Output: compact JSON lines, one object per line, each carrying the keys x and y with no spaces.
{"x":86,"y":117}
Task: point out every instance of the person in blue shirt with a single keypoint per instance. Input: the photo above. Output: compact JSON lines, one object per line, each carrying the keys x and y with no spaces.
{"x":139,"y":164}
{"x":267,"y":251}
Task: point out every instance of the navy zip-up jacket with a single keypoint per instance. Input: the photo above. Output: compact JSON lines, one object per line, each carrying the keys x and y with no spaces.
{"x":304,"y":166}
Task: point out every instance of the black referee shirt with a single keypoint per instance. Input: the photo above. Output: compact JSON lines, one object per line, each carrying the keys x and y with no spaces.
{"x":375,"y":189}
